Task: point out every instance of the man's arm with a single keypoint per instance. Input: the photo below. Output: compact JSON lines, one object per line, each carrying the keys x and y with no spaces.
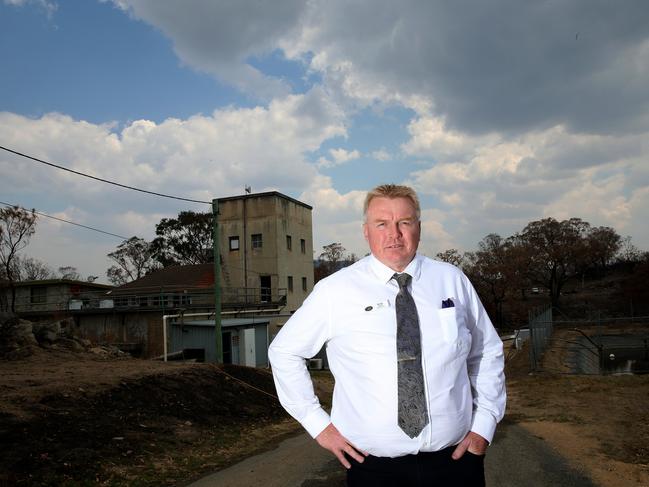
{"x":485,"y":365}
{"x":300,"y":338}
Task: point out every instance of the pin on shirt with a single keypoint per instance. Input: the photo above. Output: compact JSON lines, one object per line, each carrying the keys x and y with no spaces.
{"x":382,"y":304}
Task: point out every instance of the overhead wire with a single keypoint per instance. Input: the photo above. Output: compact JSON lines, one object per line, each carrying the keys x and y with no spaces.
{"x":65,"y":221}
{"x":133,"y":188}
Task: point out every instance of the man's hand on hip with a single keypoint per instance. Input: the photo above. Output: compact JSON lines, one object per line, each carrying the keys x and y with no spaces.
{"x":331,"y":439}
{"x":472,"y":442}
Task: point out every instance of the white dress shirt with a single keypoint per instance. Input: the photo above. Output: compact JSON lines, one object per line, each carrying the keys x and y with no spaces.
{"x":353,"y":313}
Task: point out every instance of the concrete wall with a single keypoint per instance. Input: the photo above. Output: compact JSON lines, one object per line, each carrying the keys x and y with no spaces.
{"x":142,"y":328}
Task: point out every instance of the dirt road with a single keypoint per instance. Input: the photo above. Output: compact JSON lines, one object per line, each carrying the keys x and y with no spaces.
{"x":516,"y":458}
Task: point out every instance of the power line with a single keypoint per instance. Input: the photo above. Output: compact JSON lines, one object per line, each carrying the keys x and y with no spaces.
{"x":102,"y":180}
{"x":66,"y":221}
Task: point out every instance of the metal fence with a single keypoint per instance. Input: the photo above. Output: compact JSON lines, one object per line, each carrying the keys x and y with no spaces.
{"x":540,"y":325}
{"x":615,"y":345}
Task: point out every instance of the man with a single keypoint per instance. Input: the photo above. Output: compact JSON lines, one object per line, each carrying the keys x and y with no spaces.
{"x":418,"y":366}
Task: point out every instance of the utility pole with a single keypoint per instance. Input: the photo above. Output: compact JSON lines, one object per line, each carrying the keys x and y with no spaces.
{"x":217,"y":281}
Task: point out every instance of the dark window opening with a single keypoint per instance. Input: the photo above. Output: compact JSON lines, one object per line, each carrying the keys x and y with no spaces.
{"x":264,"y":282}
{"x":38,"y":295}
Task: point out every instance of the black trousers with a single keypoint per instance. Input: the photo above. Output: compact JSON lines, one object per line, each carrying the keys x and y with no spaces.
{"x":426,"y":469}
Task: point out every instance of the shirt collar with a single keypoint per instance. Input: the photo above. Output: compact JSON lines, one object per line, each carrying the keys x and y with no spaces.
{"x":384,"y":273}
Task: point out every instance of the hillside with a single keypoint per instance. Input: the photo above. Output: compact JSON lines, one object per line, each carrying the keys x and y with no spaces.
{"x":69,"y":418}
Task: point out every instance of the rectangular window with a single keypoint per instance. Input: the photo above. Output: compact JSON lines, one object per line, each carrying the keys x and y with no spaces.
{"x":234,"y":243}
{"x":290,"y":283}
{"x":256,"y":240}
{"x":161,"y":301}
{"x":303,"y":245}
{"x":289,"y":242}
{"x":38,"y":295}
{"x":304,"y":284}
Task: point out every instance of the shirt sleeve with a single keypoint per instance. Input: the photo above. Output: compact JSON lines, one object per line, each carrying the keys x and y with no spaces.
{"x":301,"y":338}
{"x":485,"y":365}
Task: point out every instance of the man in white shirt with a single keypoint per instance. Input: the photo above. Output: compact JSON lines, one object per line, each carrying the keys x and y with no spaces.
{"x":358,"y":312}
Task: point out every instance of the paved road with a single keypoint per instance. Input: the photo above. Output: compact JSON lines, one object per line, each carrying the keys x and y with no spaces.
{"x":515,"y":459}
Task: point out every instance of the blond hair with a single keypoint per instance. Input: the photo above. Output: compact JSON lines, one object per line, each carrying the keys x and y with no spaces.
{"x":392,"y":191}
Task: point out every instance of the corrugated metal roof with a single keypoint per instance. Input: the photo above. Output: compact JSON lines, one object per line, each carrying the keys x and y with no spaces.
{"x":227,"y":322}
{"x":177,"y":277}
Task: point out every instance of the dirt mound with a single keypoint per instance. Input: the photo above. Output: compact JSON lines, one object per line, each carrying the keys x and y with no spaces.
{"x":83,"y":432}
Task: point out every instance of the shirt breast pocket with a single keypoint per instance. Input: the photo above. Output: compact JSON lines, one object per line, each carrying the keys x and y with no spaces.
{"x":453,"y":323}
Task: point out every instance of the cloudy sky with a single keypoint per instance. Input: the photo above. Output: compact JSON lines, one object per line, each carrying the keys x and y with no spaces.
{"x":498,"y":113}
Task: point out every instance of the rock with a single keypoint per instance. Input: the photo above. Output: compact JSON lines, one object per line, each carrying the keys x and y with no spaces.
{"x":46,"y":331}
{"x":18,"y":353}
{"x":16,"y":337}
{"x":6,"y":316}
{"x":70,"y":344}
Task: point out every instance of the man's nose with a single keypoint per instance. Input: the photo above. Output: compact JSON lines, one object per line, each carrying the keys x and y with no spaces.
{"x":395,"y":231}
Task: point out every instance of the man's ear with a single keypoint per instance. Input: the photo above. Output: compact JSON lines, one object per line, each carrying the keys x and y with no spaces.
{"x":365,"y":232}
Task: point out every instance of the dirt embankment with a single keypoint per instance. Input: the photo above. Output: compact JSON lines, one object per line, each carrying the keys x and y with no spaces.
{"x":77,"y":418}
{"x":600,"y":424}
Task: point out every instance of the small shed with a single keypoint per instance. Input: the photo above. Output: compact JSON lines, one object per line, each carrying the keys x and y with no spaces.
{"x":245,"y":340}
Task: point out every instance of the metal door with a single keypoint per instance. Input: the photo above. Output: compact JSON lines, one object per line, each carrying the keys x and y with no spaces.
{"x":250,"y":356}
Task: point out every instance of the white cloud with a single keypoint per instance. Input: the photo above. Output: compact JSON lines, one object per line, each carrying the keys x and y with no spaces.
{"x":202,"y":157}
{"x":47,"y":6}
{"x":338,"y":157}
{"x":381,"y":155}
{"x":500,"y":184}
{"x":336,"y":217}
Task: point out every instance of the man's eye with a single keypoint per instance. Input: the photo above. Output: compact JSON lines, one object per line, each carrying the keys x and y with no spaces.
{"x":380,"y":224}
{"x":405,"y":222}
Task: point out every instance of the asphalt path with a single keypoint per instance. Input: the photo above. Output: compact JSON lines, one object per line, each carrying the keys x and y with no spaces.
{"x":516,"y":458}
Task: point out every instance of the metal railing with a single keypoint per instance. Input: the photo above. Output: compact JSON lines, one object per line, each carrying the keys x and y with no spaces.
{"x":162,"y":299}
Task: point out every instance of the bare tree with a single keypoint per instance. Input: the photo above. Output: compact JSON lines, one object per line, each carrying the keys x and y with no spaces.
{"x":31,"y":269}
{"x":134,"y":258}
{"x":489,"y":271}
{"x":69,"y":272}
{"x":556,"y":251}
{"x":17,"y":226}
{"x":452,"y":256}
{"x":628,"y":252}
{"x":331,"y":259}
{"x":603,"y":244}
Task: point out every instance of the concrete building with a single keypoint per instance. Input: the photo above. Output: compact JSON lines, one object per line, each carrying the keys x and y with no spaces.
{"x":266,"y":245}
{"x":52,"y":298}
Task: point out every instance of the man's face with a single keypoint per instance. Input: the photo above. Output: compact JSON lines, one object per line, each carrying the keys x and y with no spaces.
{"x":392,"y":230}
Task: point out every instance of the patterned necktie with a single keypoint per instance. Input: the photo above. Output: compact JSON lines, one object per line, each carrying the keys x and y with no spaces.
{"x":413,"y":415}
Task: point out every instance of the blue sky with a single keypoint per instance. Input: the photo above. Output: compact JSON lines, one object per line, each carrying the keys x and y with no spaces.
{"x":498,"y":113}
